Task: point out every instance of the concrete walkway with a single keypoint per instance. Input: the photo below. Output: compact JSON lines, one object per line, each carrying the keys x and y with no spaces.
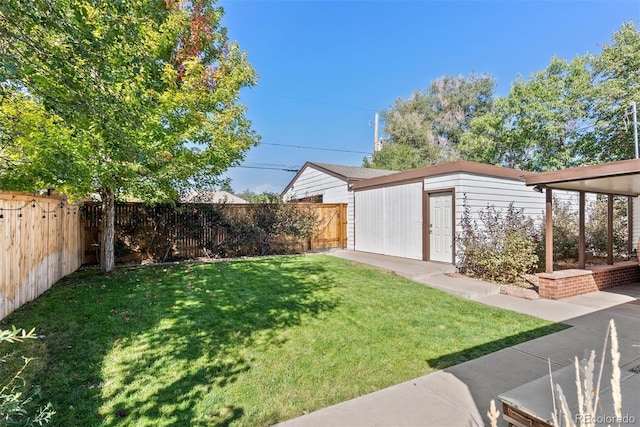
{"x":460,"y":395}
{"x":429,"y":273}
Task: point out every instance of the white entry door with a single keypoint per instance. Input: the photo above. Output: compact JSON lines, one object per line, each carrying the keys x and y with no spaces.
{"x":441,"y":227}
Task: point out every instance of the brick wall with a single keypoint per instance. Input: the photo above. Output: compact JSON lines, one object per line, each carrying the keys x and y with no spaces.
{"x":567,"y":283}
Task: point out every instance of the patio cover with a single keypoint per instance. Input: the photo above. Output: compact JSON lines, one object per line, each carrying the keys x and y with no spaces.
{"x":613,"y":179}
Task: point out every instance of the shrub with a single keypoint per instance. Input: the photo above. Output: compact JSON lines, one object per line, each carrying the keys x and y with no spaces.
{"x":499,"y":247}
{"x":266,"y":228}
{"x":565,"y":232}
{"x":565,"y":229}
{"x":156,"y":232}
{"x":16,"y":408}
{"x":596,"y":227}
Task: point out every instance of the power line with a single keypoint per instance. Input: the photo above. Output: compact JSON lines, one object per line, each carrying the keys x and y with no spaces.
{"x":268,"y":168}
{"x":314,"y":148}
{"x":268,"y":164}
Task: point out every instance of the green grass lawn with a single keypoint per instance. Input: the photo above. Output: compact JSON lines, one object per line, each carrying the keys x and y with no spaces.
{"x":247,"y":342}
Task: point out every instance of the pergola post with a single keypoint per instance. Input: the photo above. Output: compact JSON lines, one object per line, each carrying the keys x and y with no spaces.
{"x":610,"y":229}
{"x":581,"y":232}
{"x":548,"y":231}
{"x":630,"y":225}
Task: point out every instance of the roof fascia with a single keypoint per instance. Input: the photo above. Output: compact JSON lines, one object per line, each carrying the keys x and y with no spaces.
{"x":583,"y":173}
{"x":458,"y":166}
{"x":315,"y":166}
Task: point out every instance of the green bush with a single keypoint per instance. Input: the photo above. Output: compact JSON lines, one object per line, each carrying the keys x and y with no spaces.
{"x":565,"y":232}
{"x":596,"y":227}
{"x":157,"y":232}
{"x":565,"y":229}
{"x":264,"y":229}
{"x":500,"y":247}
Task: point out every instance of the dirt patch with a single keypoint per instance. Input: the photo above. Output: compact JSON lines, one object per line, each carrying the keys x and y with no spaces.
{"x":590,"y":259}
{"x":529,"y":290}
{"x":518,"y":291}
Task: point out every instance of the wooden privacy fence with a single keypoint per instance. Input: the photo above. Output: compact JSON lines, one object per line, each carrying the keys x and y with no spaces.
{"x":194,"y":230}
{"x":40,"y":242}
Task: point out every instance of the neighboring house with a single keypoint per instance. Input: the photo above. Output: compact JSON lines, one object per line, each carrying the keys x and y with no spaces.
{"x":329,"y":183}
{"x":416,"y":214}
{"x":212,"y":197}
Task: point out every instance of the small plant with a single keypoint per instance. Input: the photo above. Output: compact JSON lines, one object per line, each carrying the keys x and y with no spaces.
{"x":588,"y":393}
{"x":16,"y":407}
{"x":499,"y":246}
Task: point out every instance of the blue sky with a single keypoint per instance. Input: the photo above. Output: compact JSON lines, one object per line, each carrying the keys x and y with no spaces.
{"x":327,"y":66}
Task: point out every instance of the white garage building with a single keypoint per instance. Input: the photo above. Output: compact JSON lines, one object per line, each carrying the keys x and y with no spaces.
{"x":416,"y":214}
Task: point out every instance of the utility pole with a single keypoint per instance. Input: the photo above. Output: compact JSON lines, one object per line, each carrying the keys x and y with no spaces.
{"x":376,"y":142}
{"x":634,"y":113}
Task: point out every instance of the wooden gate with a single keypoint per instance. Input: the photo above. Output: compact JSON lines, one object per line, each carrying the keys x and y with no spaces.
{"x":332,"y":226}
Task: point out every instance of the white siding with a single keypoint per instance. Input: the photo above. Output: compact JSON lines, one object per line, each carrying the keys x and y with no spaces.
{"x":313,"y":182}
{"x":482,"y":191}
{"x":351,"y":221}
{"x":369,"y":220}
{"x":389,"y":220}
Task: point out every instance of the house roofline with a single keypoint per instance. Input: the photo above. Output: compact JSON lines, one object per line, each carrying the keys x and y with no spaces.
{"x":441,"y":169}
{"x":316,"y":166}
{"x":622,"y":167}
{"x":600,"y":179}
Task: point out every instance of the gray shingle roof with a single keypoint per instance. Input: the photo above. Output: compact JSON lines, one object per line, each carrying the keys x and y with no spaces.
{"x":353,"y":172}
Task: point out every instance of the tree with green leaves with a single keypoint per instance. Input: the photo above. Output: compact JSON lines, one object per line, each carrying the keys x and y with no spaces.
{"x":539,"y":125}
{"x":572,"y":113}
{"x":616,"y":83}
{"x":225,"y":185}
{"x":36,"y":148}
{"x":398,"y":157}
{"x":146,"y":91}
{"x":265,"y":197}
{"x":426,"y":127}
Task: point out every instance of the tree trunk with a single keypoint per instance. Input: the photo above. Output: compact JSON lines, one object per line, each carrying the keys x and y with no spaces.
{"x":107,"y":258}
